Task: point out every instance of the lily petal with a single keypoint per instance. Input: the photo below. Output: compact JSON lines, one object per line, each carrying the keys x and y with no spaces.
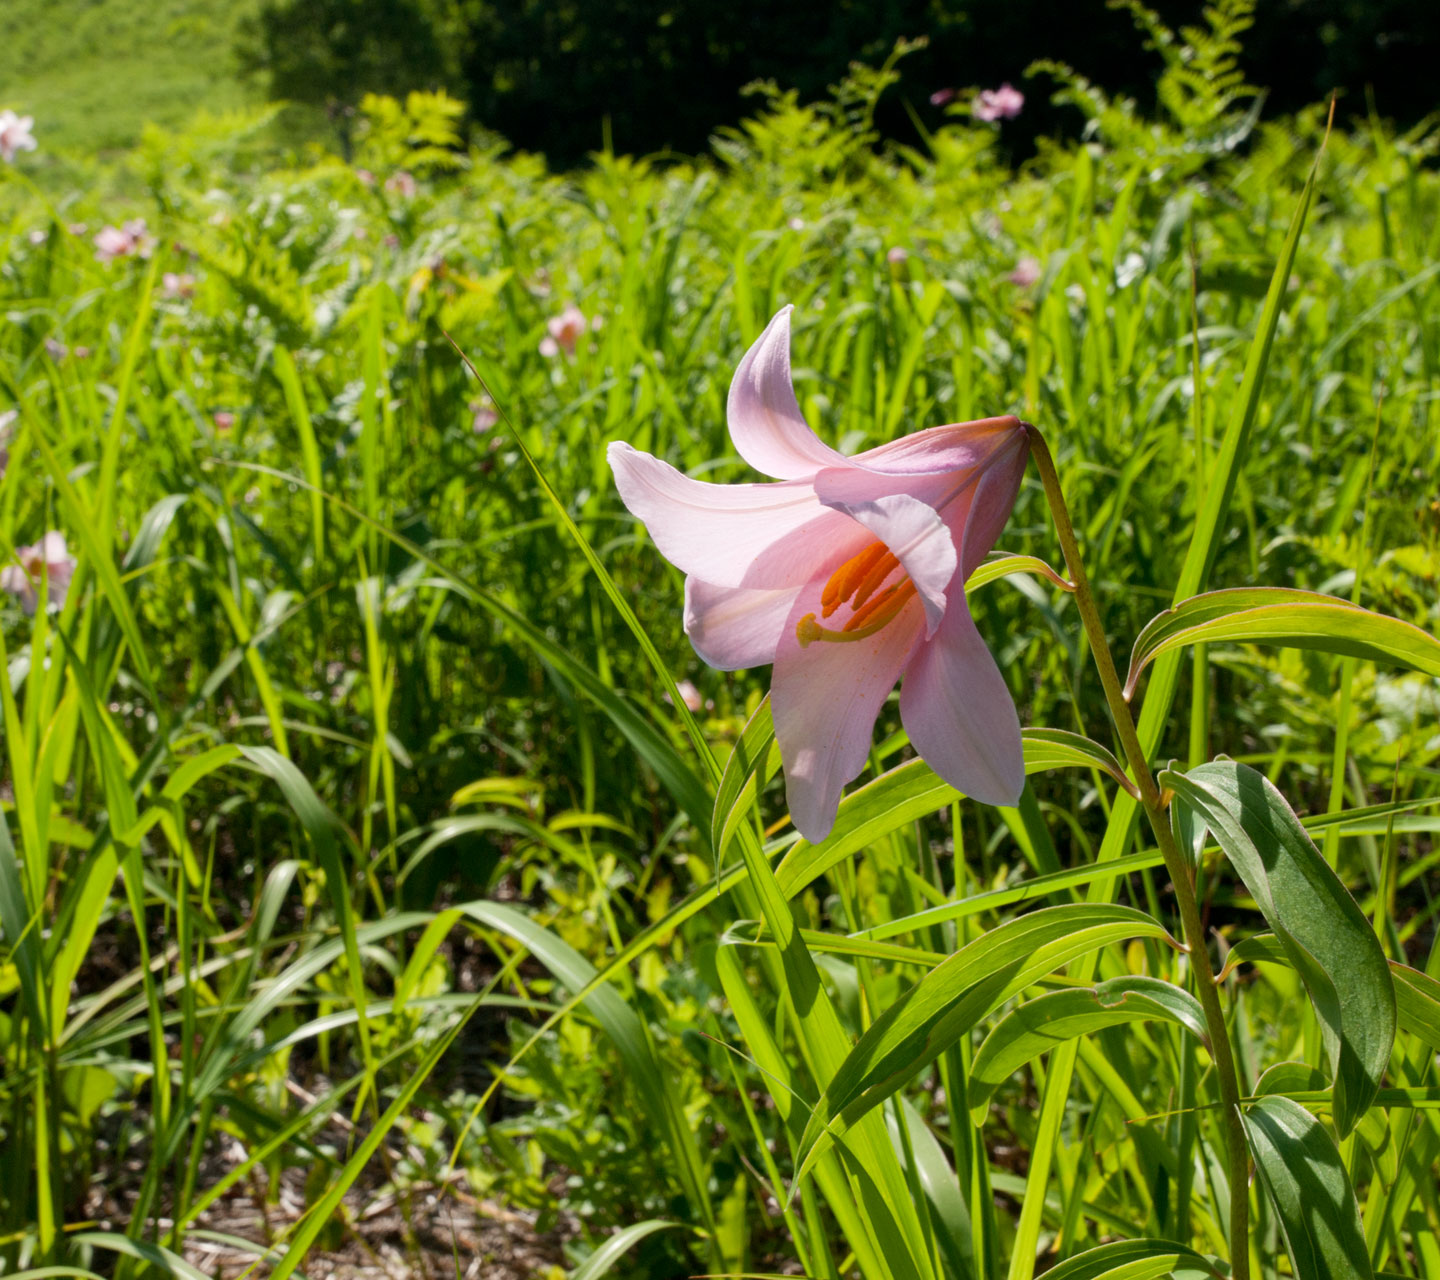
{"x":910,"y":528}
{"x":732,"y":628}
{"x":990,"y":507}
{"x":958,"y":447}
{"x":959,"y":714}
{"x":731,"y":535}
{"x":766,"y":424}
{"x":825,"y":698}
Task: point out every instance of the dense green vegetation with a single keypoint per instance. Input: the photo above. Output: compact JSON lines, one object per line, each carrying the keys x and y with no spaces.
{"x":342,"y":768}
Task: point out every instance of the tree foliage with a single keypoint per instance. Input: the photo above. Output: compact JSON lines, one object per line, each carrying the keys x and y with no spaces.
{"x":562,"y":76}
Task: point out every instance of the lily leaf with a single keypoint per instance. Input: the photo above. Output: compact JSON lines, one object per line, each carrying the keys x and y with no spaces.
{"x":1301,"y":1169}
{"x":1286,"y":618}
{"x":1137,"y":1260}
{"x":1324,"y":934}
{"x":752,"y":764}
{"x":1001,"y":564}
{"x":1039,"y":1025}
{"x":1418,"y":997}
{"x":950,"y":1000}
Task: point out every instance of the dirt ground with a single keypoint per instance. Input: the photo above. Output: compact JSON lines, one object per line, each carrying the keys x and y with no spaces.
{"x":437,"y":1233}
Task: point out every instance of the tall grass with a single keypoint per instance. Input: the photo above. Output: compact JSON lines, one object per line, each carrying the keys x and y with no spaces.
{"x":354,"y":752}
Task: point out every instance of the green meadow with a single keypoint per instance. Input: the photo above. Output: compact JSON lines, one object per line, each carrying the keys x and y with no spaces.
{"x":95,"y":72}
{"x":373,"y":901}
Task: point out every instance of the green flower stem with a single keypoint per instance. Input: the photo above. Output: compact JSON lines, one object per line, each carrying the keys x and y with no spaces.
{"x":1176,"y":864}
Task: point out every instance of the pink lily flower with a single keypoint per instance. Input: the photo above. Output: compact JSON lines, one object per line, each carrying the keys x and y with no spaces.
{"x":1004,"y":103}
{"x":48,"y":558}
{"x":15,"y":135}
{"x":847,"y":574}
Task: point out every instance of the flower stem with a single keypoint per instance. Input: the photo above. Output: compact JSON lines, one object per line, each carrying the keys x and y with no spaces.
{"x":1176,"y":864}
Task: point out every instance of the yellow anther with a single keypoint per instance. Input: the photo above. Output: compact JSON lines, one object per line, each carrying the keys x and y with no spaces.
{"x":843,"y":581}
{"x":881,"y":570}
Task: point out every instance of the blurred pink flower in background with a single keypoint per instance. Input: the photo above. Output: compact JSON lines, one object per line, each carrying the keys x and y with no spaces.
{"x":483,"y":415}
{"x":364,"y":177}
{"x":1026,"y":273}
{"x":175,"y":285}
{"x":224,"y":420}
{"x":1004,"y":103}
{"x":56,"y":349}
{"x":565,"y":330}
{"x":401,"y":184}
{"x":689,"y":695}
{"x":879,"y":546}
{"x":15,"y":134}
{"x":941,"y":96}
{"x":897,"y":255}
{"x":130,"y":240}
{"x":47,"y":558}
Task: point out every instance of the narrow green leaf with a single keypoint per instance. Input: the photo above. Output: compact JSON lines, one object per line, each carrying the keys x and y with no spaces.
{"x":163,"y":1260}
{"x":1047,"y":749}
{"x":289,"y":378}
{"x":1301,"y":1169}
{"x":320,"y":826}
{"x":948,"y":1002}
{"x":1001,"y":564}
{"x":1137,"y":1260}
{"x":1288,"y":619}
{"x":752,"y":764}
{"x":1039,"y":1025}
{"x":1417,"y":996}
{"x":617,"y":1246}
{"x":949,"y":1214}
{"x":1033,"y":890}
{"x":1324,"y":933}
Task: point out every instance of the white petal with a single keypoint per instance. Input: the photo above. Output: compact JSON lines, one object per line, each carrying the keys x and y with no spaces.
{"x":825,"y":698}
{"x":766,"y":424}
{"x":959,"y":714}
{"x":957,"y":447}
{"x":731,"y":535}
{"x":733,"y":628}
